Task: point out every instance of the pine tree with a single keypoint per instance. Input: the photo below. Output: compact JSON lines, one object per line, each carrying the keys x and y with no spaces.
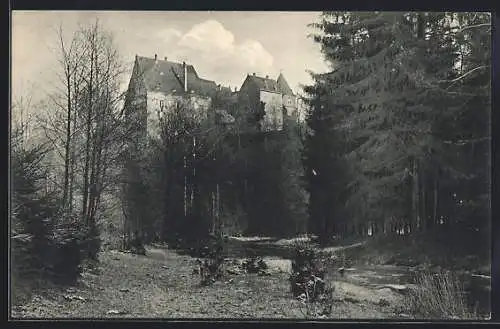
{"x":465,"y":133}
{"x":295,"y":196}
{"x":325,"y":170}
{"x":389,"y":97}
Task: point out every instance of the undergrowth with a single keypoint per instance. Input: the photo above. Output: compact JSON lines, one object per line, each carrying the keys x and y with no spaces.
{"x":429,"y":250}
{"x":308,"y":283}
{"x":211,"y":267}
{"x":438,"y":296}
{"x":48,"y":243}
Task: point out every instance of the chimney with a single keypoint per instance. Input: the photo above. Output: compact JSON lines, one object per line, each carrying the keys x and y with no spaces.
{"x":254,"y":74}
{"x":165,"y":58}
{"x":267,"y":77}
{"x":185,"y":76}
{"x":156,"y":57}
{"x":235,"y":89}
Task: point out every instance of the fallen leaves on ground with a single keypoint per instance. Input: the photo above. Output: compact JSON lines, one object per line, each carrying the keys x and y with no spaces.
{"x":162,"y":285}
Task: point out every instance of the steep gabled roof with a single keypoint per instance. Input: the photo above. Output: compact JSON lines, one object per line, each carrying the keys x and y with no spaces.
{"x":165,"y":76}
{"x":283,"y":86}
{"x":266,"y":84}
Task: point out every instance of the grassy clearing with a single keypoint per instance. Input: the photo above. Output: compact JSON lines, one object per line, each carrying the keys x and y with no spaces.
{"x":161,"y":285}
{"x":438,"y":296}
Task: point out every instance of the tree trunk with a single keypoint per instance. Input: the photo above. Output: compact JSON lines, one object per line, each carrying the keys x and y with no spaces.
{"x":415,"y":218}
{"x":76,"y":109}
{"x":195,"y":190}
{"x":96,"y":144}
{"x":168,"y":183}
{"x":423,"y":201}
{"x":93,"y":174}
{"x":73,"y":161}
{"x":214,"y":217}
{"x":67,"y":145}
{"x":88,"y":135}
{"x":185,"y":186}
{"x":436,"y":200}
{"x":420,"y":26}
{"x":92,"y":178}
{"x":100,"y":171}
{"x":217,"y":204}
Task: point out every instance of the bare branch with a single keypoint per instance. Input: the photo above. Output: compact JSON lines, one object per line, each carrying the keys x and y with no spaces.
{"x":462,"y":142}
{"x":465,"y":74}
{"x":473,"y":27}
{"x":454,"y":81}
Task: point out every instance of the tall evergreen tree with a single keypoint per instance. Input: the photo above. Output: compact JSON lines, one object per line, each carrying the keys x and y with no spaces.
{"x":390,"y":99}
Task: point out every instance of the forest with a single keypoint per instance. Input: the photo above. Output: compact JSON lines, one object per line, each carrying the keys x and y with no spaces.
{"x":394,"y":149}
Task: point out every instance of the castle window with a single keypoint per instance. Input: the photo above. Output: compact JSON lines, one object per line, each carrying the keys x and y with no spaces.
{"x":162,"y":105}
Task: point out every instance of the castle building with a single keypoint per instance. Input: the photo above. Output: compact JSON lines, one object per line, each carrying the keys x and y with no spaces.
{"x":156,"y":86}
{"x":277,"y":96}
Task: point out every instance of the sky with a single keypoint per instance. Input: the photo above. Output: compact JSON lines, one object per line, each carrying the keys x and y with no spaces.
{"x":222,"y":46}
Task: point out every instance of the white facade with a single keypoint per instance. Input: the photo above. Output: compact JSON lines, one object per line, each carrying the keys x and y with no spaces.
{"x":158,"y":104}
{"x":273,"y":119}
{"x":290,"y":103}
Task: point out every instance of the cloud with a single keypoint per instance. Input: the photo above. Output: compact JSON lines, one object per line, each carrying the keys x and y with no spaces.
{"x":209,"y":36}
{"x":254,"y":54}
{"x":216,"y":53}
{"x":167,"y":35}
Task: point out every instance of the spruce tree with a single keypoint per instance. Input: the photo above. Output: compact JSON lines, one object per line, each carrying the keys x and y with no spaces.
{"x":388,"y":109}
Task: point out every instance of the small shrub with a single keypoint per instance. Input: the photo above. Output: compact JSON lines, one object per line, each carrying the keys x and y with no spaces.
{"x":383,"y":302}
{"x":320,"y":308}
{"x":438,"y":296}
{"x":307,"y":277}
{"x":254,"y":265}
{"x":211,"y":267}
{"x":71,"y":243}
{"x":308,"y":284}
{"x":136,"y":245}
{"x":92,"y":242}
{"x":210,"y":270}
{"x":66,"y":266}
{"x":55,"y":253}
{"x":21,"y":265}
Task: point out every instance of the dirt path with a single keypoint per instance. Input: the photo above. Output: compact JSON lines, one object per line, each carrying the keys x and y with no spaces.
{"x":161,"y":285}
{"x":331,"y":250}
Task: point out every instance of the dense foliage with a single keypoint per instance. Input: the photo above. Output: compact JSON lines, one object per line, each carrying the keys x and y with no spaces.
{"x":46,"y":243}
{"x":399,"y":129}
{"x":202,"y":176}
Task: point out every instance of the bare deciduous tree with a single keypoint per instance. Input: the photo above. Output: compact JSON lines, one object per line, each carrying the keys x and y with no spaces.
{"x":84,"y":123}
